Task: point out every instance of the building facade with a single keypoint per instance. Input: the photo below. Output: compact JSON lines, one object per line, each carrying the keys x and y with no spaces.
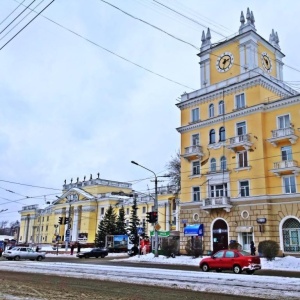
{"x":85,"y":203}
{"x":240,"y":144}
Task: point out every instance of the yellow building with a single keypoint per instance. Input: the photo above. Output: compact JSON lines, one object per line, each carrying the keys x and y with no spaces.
{"x":85,"y":203}
{"x":240,"y":145}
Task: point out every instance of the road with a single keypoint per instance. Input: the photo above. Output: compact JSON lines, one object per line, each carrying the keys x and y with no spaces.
{"x":113,"y":261}
{"x":265,"y":287}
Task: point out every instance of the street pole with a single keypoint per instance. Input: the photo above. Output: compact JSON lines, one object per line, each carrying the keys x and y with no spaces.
{"x":68,"y":227}
{"x":155,"y":209}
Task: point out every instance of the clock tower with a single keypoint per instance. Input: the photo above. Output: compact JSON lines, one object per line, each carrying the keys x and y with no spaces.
{"x":239,"y":144}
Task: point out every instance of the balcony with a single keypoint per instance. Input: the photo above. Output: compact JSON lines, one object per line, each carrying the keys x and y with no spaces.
{"x":193,"y":152}
{"x":239,"y":142}
{"x":283,"y":135}
{"x":215,"y":203}
{"x":286,"y":167}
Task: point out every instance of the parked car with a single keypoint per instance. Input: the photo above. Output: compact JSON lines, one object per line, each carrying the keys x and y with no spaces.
{"x":95,"y":252}
{"x":18,"y":253}
{"x":235,"y":260}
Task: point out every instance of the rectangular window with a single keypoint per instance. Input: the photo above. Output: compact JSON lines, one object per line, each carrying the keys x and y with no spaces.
{"x":244,"y":188}
{"x":195,"y":139}
{"x":289,"y":183}
{"x":241,"y":128}
{"x":47,"y":218}
{"x":42,"y":228}
{"x":240,"y":101}
{"x":46,"y":227}
{"x":283,"y":122}
{"x":45,"y":238}
{"x":195,"y":114}
{"x":102,"y":210}
{"x":196,"y":193}
{"x":286,"y":153}
{"x":144,"y":209}
{"x":196,"y":167}
{"x":219,"y":190}
{"x":242,"y":159}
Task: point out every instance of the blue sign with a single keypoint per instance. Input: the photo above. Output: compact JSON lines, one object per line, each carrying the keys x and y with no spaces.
{"x":140,"y":230}
{"x":68,"y":232}
{"x":67,"y":239}
{"x":194,"y":230}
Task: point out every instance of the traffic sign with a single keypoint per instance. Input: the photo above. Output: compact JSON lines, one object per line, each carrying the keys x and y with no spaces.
{"x":67,"y":239}
{"x":140,"y":230}
{"x":68,"y":232}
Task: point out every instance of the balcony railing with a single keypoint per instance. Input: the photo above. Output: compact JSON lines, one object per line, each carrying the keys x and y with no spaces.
{"x":283,"y":134}
{"x":216,"y":202}
{"x":286,"y":167}
{"x":239,"y":141}
{"x":193,"y":152}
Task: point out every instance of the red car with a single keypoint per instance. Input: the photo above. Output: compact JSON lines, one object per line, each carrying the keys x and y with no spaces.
{"x":235,"y":260}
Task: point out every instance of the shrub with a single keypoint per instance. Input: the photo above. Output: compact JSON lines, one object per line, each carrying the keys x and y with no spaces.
{"x":169,"y":247}
{"x":194,"y":247}
{"x":269,"y":249}
{"x":235,"y":245}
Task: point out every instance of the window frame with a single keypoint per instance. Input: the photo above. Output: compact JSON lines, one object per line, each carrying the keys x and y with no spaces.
{"x":282,"y":116}
{"x":244,"y":190}
{"x":238,"y":100}
{"x":222,"y":133}
{"x":286,"y":151}
{"x":195,"y":167}
{"x":195,"y":114}
{"x":196,"y":193}
{"x":195,"y":139}
{"x":221,"y":107}
{"x":222,"y":159}
{"x":289,"y":185}
{"x":245,"y":162}
{"x":213,"y":162}
{"x":211,"y":110}
{"x":212,"y":136}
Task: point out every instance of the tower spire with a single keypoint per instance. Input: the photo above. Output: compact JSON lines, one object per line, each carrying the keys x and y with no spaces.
{"x":250,"y":24}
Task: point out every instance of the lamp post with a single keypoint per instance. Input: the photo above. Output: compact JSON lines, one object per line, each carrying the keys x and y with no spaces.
{"x":155,"y":208}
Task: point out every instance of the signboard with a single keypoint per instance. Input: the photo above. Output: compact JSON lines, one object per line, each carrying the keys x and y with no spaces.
{"x":261,"y":220}
{"x":184,"y":221}
{"x":67,"y":238}
{"x":58,"y":238}
{"x":83,"y":236}
{"x":160,"y":233}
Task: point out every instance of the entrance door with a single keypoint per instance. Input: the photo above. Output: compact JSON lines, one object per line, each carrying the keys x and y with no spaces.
{"x":220,"y":236}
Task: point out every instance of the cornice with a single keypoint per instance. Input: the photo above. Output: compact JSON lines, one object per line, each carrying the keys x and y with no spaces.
{"x":233,"y":88}
{"x":243,"y":112}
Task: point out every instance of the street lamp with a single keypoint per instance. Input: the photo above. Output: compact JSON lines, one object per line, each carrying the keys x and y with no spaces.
{"x":155,"y":208}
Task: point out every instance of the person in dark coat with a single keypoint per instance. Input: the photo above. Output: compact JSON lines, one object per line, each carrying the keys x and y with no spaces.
{"x":252,"y":248}
{"x":78,"y":247}
{"x":72,"y":249}
{"x":37,"y":249}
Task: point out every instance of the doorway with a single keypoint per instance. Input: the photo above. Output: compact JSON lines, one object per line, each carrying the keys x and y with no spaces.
{"x":220,"y":236}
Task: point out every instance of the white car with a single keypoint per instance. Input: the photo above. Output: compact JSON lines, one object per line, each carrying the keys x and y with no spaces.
{"x":18,"y":253}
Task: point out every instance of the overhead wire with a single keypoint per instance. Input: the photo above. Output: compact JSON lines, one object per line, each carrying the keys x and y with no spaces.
{"x":11,"y":12}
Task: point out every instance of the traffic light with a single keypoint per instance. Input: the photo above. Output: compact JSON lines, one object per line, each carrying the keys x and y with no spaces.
{"x":60,"y":220}
{"x":154,"y":217}
{"x":148,"y":217}
{"x":66,"y":220}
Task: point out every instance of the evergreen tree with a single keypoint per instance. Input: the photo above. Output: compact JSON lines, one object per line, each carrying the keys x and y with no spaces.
{"x":106,"y":227}
{"x":134,"y":221}
{"x":120,"y":224}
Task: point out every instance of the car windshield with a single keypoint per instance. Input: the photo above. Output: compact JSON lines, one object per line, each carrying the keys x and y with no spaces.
{"x":244,"y":253}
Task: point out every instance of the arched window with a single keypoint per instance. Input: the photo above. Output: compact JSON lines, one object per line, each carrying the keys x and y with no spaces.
{"x":223,"y":163}
{"x":211,"y":111}
{"x":213,"y":165}
{"x":212,"y":136}
{"x":221,"y":107}
{"x":222,"y":134}
{"x":291,"y":235}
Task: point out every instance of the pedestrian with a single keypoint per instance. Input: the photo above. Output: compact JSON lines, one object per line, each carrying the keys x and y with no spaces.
{"x":37,"y":249}
{"x":1,"y":250}
{"x":252,"y":248}
{"x":72,"y":249}
{"x":78,"y":247}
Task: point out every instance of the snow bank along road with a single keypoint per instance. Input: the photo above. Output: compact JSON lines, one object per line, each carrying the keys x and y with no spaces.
{"x":265,"y":287}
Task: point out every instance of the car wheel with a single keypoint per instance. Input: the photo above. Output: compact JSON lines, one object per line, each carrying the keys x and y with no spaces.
{"x":250,"y":271}
{"x":17,"y":257}
{"x":205,"y":268}
{"x":102,"y":255}
{"x":237,"y":269}
{"x":39,"y":258}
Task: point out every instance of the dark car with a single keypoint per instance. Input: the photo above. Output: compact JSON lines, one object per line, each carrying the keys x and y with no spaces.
{"x":95,"y":252}
{"x":235,"y":260}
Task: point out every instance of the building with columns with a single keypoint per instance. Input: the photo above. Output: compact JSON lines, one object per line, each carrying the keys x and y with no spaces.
{"x":240,"y":144}
{"x":85,"y":203}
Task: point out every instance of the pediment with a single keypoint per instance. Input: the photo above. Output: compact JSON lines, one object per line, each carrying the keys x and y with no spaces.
{"x":74,"y":191}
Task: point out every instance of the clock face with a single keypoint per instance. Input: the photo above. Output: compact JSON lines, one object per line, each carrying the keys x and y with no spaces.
{"x":224,"y":62}
{"x":266,"y":62}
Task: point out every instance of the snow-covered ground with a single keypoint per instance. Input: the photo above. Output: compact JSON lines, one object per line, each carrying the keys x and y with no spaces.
{"x":266,"y":287}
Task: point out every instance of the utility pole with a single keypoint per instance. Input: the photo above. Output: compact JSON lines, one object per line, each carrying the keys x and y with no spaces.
{"x":67,"y":233}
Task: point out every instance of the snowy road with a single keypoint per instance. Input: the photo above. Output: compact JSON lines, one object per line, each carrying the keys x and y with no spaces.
{"x":260,"y":286}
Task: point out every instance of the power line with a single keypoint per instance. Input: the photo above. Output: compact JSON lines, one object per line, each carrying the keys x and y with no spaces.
{"x":12,"y":12}
{"x":158,"y":28}
{"x":26,"y":25}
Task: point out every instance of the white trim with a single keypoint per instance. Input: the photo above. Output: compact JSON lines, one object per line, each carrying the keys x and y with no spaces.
{"x":196,"y":217}
{"x":211,"y":231}
{"x":245,"y":212}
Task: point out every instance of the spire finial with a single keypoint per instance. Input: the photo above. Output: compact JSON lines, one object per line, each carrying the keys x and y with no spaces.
{"x":242,"y":18}
{"x":208,"y":36}
{"x":252,"y":19}
{"x":276,"y":38}
{"x":203,"y":36}
{"x":248,"y":17}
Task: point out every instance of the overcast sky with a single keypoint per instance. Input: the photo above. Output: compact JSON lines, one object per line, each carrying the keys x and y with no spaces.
{"x":69,"y":108}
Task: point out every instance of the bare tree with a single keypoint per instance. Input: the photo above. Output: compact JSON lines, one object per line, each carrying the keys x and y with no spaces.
{"x":174,"y":169}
